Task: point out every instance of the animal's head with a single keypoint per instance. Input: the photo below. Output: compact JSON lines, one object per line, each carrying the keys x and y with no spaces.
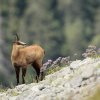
{"x":17,"y":41}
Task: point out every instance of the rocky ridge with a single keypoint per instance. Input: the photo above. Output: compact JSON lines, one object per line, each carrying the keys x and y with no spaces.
{"x":74,"y":82}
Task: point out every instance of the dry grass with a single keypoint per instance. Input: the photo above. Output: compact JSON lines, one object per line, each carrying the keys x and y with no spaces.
{"x":96,"y":95}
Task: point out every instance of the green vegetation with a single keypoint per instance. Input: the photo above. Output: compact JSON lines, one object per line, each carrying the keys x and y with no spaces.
{"x":53,"y":70}
{"x":98,"y":66}
{"x":14,"y":93}
{"x":3,"y":90}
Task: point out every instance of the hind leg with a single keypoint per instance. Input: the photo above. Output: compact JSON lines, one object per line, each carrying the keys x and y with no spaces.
{"x":42,"y":72}
{"x":42,"y":75}
{"x":37,"y":69}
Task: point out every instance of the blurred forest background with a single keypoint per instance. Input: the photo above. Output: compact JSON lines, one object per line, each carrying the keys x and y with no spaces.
{"x":61,"y":27}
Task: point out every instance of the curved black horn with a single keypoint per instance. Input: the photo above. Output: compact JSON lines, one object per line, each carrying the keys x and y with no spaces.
{"x":17,"y":37}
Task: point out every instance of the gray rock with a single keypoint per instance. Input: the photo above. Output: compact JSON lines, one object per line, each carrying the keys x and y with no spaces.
{"x":97,"y":72}
{"x":22,"y":87}
{"x":44,"y":97}
{"x":75,"y":64}
{"x":88,"y":72}
{"x":76,"y":82}
{"x":65,"y":84}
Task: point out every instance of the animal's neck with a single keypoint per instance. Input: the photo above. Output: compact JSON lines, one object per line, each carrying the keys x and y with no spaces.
{"x":15,"y":51}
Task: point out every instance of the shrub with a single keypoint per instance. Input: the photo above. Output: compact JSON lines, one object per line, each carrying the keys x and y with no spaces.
{"x":92,"y":52}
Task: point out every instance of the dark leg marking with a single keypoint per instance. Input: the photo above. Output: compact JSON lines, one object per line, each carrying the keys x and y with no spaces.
{"x":17,"y":69}
{"x":37,"y":69}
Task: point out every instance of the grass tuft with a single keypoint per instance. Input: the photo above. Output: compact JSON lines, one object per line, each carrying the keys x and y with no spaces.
{"x":53,"y":70}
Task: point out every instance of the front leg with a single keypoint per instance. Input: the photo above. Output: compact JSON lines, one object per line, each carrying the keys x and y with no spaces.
{"x":23,"y":75}
{"x":17,"y":69}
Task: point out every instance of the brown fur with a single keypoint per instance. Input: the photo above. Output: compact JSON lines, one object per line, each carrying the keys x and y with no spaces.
{"x":23,"y":55}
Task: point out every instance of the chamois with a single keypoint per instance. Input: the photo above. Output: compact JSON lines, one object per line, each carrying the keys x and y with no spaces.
{"x":23,"y":55}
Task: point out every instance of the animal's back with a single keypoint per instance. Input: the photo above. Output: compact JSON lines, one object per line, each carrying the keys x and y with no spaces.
{"x":33,"y":51}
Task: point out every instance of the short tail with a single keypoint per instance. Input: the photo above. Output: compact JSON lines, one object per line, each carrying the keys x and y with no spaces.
{"x":44,"y":52}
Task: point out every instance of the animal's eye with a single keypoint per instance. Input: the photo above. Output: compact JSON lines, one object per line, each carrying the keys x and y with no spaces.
{"x":19,"y":44}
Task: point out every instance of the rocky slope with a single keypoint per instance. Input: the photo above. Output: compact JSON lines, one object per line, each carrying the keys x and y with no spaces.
{"x":74,"y":82}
